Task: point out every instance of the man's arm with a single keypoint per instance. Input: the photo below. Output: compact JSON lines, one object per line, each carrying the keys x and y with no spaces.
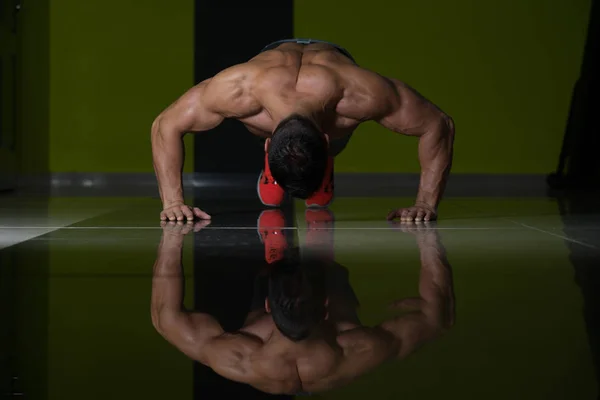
{"x":203,"y":107}
{"x":411,"y":114}
{"x":192,"y":112}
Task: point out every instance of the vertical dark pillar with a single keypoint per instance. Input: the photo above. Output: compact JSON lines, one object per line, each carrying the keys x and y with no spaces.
{"x":579,"y":164}
{"x":229,"y":33}
{"x":8,"y":94}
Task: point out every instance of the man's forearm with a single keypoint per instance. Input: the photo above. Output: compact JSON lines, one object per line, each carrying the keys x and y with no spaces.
{"x":435,"y":157}
{"x":168,"y":156}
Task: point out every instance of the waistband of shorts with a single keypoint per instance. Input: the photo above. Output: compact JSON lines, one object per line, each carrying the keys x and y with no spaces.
{"x":342,"y":50}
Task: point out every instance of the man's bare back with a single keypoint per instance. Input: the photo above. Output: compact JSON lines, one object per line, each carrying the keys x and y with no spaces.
{"x":269,"y":87}
{"x":338,"y":93}
{"x":337,"y":352}
{"x":324,"y":86}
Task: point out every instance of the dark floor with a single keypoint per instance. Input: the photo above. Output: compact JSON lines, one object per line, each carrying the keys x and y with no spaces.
{"x":75,"y":285}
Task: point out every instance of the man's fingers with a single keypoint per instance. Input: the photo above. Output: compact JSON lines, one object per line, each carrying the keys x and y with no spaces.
{"x":163,"y":216}
{"x":420,"y":215}
{"x":404,"y":215}
{"x":171,"y":215}
{"x":178,"y":214}
{"x":393,"y":215}
{"x":410,"y":215}
{"x":187,"y":212}
{"x":201,"y":214}
{"x":427,"y":216}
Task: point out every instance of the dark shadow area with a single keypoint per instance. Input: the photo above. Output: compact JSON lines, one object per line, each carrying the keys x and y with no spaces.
{"x":24,"y":321}
{"x":579,"y":164}
{"x":8,"y":95}
{"x":585,"y":263}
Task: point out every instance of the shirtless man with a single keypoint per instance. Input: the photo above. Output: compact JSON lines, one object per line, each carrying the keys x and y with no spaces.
{"x":305,"y":98}
{"x":305,"y":339}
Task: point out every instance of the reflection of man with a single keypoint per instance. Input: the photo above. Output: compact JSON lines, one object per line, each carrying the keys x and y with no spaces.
{"x":306,"y":336}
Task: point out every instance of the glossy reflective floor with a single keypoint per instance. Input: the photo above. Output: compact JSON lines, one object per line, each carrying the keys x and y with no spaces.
{"x":76,"y":283}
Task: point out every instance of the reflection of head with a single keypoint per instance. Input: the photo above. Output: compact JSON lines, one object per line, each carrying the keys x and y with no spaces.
{"x":296,"y":296}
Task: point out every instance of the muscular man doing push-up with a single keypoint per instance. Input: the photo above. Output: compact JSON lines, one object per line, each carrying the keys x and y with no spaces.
{"x":304,"y":98}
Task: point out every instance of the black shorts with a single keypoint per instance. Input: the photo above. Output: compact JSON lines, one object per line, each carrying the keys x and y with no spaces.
{"x":308,"y":41}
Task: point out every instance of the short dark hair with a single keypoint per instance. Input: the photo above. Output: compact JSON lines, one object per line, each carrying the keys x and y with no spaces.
{"x":296,"y":295}
{"x":298,"y":156}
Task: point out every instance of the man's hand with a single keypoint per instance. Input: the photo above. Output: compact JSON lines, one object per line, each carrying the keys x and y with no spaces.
{"x":181,"y":212}
{"x":417,"y":213}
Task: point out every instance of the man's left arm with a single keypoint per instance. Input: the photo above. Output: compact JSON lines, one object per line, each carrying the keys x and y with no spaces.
{"x":409,"y":113}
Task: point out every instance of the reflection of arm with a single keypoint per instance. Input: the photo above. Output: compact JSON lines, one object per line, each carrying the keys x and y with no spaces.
{"x":197,"y":335}
{"x":433,"y":313}
{"x":189,"y":332}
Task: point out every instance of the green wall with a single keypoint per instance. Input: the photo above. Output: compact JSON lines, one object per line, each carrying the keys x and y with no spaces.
{"x":114,"y":65}
{"x":503,"y":70}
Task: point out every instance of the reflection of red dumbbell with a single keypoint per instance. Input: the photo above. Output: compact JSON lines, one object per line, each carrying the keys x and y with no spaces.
{"x":319,"y":234}
{"x":270,"y":230}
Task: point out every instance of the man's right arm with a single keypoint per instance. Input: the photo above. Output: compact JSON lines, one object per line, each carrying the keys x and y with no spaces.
{"x":192,"y":112}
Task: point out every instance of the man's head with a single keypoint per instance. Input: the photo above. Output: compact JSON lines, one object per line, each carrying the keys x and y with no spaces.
{"x":297,"y":300}
{"x":298,"y":156}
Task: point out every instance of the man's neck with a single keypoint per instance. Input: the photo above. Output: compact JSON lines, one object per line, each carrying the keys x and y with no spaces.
{"x":305,"y":111}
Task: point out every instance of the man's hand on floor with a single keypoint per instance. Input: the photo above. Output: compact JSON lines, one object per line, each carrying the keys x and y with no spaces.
{"x":418,"y":212}
{"x":181,"y":212}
